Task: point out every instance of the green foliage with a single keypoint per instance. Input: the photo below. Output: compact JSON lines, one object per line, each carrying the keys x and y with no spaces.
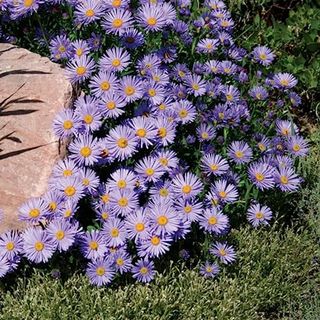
{"x":274,"y":268}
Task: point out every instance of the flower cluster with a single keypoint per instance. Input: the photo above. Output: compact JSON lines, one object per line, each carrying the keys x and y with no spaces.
{"x":176,"y":130}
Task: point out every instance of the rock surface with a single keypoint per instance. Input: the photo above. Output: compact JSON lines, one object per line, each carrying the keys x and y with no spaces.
{"x":35,"y":89}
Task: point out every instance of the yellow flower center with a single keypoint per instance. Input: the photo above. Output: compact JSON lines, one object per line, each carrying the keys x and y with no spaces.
{"x":85,"y":151}
{"x":114,"y":232}
{"x":209,"y":269}
{"x":141,"y":133}
{"x":222,"y":194}
{"x":105,"y":215}
{"x":195,"y":86}
{"x":68,"y":124}
{"x":52,"y":206}
{"x":100,"y":271}
{"x":70,"y":191}
{"x":144,"y":270}
{"x":79,"y":52}
{"x":39,"y":246}
{"x":85,"y":181}
{"x":259,"y":215}
{"x":123,"y":202}
{"x":239,"y":154}
{"x":285,"y":132}
{"x":34,"y":213}
{"x":81,"y":70}
{"x":120,"y":262}
{"x":62,"y":49}
{"x":221,"y":115}
{"x":28,"y":3}
{"x":104,"y":85}
{"x":152,"y":21}
{"x":67,"y":173}
{"x":155,"y":240}
{"x":111,"y":105}
{"x":284,"y":180}
{"x":93,"y":245}
{"x":121,"y":184}
{"x":204,"y":135}
{"x":181,"y":74}
{"x":162,"y":132}
{"x":116,"y":62}
{"x":224,"y":23}
{"x":263,"y":56}
{"x":259,"y":176}
{"x":116,"y":3}
{"x":129,"y":90}
{"x":162,"y":106}
{"x":183,"y":113}
{"x":88,"y":118}
{"x":67,"y":213}
{"x":139,"y":227}
{"x":163,"y":161}
{"x":262,"y":147}
{"x":10,"y":246}
{"x":152,"y":92}
{"x":186,"y":189}
{"x":162,"y":220}
{"x":149,"y":172}
{"x":212,"y":221}
{"x":284,"y":82}
{"x":229,"y":97}
{"x":214,"y":167}
{"x":60,"y":235}
{"x":122,"y":143}
{"x":117,"y":23}
{"x":163,"y":192}
{"x":105,"y":198}
{"x":187,"y":209}
{"x":222,"y":252}
{"x":90,"y":13}
{"x":296,"y":147}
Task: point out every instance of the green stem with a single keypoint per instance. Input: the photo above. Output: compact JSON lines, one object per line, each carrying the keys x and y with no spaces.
{"x":42,"y":30}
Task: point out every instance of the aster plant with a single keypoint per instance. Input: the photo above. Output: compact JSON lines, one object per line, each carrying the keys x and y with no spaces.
{"x":178,"y":130}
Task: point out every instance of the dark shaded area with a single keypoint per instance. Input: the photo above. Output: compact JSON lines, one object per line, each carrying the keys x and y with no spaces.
{"x":21,"y":71}
{"x":6,"y":50}
{"x":16,"y":153}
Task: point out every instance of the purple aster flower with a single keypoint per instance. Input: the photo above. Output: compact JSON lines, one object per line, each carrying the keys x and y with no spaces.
{"x":187,"y":185}
{"x":4,"y":266}
{"x":259,"y":215}
{"x":214,"y":164}
{"x":65,"y":168}
{"x":166,"y":130}
{"x":168,"y":159}
{"x":148,"y":63}
{"x":122,"y":179}
{"x":154,"y":246}
{"x":284,"y":80}
{"x":103,"y":83}
{"x":209,"y":270}
{"x":225,"y":253}
{"x":212,"y":66}
{"x":286,"y":179}
{"x":114,"y":232}
{"x":24,"y":7}
{"x":90,"y":117}
{"x":80,"y":69}
{"x":286,"y":128}
{"x":189,"y":210}
{"x":231,"y":93}
{"x":151,"y":17}
{"x":10,"y":244}
{"x":227,"y":67}
{"x":195,"y":85}
{"x":143,"y":270}
{"x":262,"y":175}
{"x":54,"y":200}
{"x":283,"y":161}
{"x":162,"y":190}
{"x":214,"y":221}
{"x":154,"y":92}
{"x":263,"y":55}
{"x":240,"y":152}
{"x":94,"y":41}
{"x":33,"y":210}
{"x":81,"y":48}
{"x":100,"y":272}
{"x":63,"y":233}
{"x":137,"y":225}
{"x":88,"y":11}
{"x":132,"y":39}
{"x":131,"y":88}
{"x":259,"y":93}
{"x":186,"y":112}
{"x":111,"y":105}
{"x":113,"y":4}
{"x":93,"y":245}
{"x":295,"y":99}
{"x":207,"y":45}
{"x":84,"y":150}
{"x":124,"y":201}
{"x":225,"y":191}
{"x":115,"y":59}
{"x":263,"y":143}
{"x":297,"y":146}
{"x":66,"y":123}
{"x":180,"y":71}
{"x":60,"y":48}
{"x":149,"y":169}
{"x":71,"y":188}
{"x":37,"y":245}
{"x":205,"y":132}
{"x":163,"y":218}
{"x":145,"y":130}
{"x":122,"y":262}
{"x":121,"y":142}
{"x":117,"y":21}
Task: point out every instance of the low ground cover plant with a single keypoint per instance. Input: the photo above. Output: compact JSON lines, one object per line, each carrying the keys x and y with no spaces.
{"x":178,"y":136}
